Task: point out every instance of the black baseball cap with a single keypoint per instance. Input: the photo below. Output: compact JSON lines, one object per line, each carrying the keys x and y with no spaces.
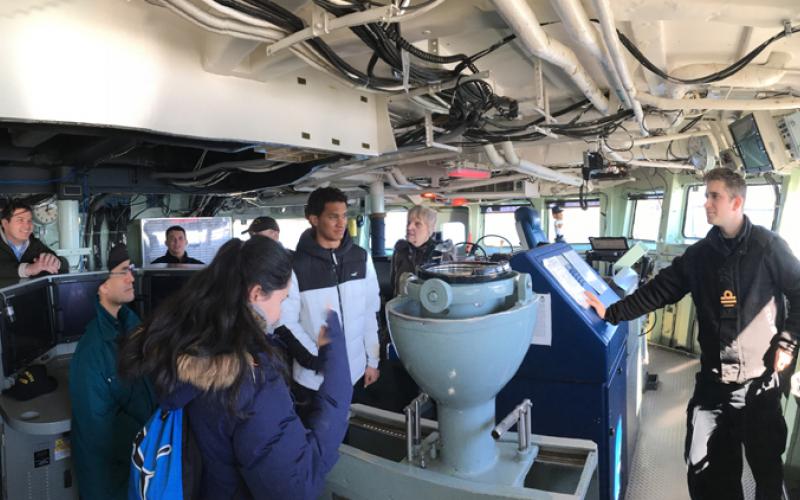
{"x":31,"y":382}
{"x":557,"y":209}
{"x":262,"y":224}
{"x":117,"y":256}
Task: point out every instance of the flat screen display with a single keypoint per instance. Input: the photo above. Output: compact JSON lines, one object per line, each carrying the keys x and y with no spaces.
{"x":74,"y":306}
{"x":160,"y":286}
{"x":613,"y":243}
{"x":27,"y":330}
{"x":750,"y":145}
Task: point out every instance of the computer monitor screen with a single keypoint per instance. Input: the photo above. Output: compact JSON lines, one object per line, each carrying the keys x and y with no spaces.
{"x":27,"y":330}
{"x":74,"y":305}
{"x":609,"y":243}
{"x":750,"y":145}
{"x":161,"y":285}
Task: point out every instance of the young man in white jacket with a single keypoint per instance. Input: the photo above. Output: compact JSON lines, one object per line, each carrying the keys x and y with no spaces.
{"x":330,"y":271}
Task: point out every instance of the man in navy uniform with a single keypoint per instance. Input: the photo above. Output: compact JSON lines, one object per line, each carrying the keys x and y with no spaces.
{"x":738,"y":276}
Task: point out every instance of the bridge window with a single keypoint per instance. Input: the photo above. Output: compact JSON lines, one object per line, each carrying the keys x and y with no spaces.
{"x":759,"y":207}
{"x":579,"y":224}
{"x":500,"y":220}
{"x":395,"y":227}
{"x":646,"y":216}
{"x":454,"y":231}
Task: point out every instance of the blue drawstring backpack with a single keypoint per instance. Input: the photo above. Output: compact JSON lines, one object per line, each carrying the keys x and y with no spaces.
{"x":164,"y":460}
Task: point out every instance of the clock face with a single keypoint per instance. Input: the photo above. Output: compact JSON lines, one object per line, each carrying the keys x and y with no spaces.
{"x":46,"y":213}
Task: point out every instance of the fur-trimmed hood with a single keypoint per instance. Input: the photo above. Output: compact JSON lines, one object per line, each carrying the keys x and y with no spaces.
{"x":211,"y":374}
{"x":198,"y":375}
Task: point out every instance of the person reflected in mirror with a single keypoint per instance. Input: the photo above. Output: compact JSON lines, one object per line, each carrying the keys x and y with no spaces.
{"x":176,"y":248}
{"x":558,"y":223}
{"x":23,"y":255}
{"x":740,"y":276}
{"x":419,"y":247}
{"x":264,"y":226}
{"x":206,"y":352}
{"x":106,"y":411}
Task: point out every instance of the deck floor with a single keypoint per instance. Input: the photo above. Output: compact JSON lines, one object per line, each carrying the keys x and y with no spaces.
{"x":658,"y":471}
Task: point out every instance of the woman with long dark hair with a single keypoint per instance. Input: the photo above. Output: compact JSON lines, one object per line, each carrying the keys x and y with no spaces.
{"x":206,"y":351}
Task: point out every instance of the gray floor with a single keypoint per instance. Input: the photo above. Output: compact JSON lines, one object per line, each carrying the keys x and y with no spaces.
{"x":658,"y":471}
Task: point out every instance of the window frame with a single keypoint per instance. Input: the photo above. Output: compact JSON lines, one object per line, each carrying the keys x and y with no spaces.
{"x":635,"y":198}
{"x":688,"y":188}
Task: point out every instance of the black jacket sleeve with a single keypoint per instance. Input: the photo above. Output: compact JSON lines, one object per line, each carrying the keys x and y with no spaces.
{"x":669,"y":286}
{"x":296,"y":350}
{"x":785,"y":270}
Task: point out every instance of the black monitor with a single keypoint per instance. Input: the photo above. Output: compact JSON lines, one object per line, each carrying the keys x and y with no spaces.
{"x":750,"y":144}
{"x":609,"y":243}
{"x":74,"y":298}
{"x":160,"y":284}
{"x":26,"y":328}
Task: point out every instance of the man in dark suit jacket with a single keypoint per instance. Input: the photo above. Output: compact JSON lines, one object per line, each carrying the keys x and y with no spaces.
{"x":22,"y":255}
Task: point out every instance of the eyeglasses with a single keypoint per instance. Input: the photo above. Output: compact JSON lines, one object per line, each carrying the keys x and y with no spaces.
{"x":125,"y":271}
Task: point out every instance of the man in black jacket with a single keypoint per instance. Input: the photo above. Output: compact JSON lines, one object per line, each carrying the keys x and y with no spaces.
{"x":738,"y":276}
{"x":22,"y":255}
{"x":176,"y":248}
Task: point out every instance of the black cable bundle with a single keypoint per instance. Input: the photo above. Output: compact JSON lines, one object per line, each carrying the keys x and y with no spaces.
{"x":714,"y":77}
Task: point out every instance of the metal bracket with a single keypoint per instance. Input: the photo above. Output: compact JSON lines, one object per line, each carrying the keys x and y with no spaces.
{"x":323,"y":23}
{"x":413,"y":413}
{"x":521,"y":417}
{"x":787,"y":27}
{"x":429,"y":129}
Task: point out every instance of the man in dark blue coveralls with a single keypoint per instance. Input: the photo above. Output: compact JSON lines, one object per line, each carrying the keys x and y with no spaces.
{"x":738,"y":276}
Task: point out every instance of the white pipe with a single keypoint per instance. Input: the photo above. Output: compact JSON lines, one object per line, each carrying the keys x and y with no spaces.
{"x":719,"y":104}
{"x":612,"y":42}
{"x":69,"y":228}
{"x":376,"y":197}
{"x":530,"y":168}
{"x":522,"y":20}
{"x":643,"y":163}
{"x":455,"y":186}
{"x":391,"y":178}
{"x":677,"y":137}
{"x":576,"y":22}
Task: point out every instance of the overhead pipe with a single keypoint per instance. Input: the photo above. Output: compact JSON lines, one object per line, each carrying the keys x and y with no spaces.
{"x":522,"y":20}
{"x":609,"y":30}
{"x":645,"y":163}
{"x":526,"y":167}
{"x":455,"y":186}
{"x":719,"y":104}
{"x":576,"y":22}
{"x":678,"y":137}
{"x":377,"y":219}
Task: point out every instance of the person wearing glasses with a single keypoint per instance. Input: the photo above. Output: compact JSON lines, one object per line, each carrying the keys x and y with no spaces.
{"x":106,"y":411}
{"x":22,"y":255}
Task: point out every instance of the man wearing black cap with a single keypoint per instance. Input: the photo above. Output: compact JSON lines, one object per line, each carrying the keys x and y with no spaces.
{"x":176,"y":248}
{"x":264,"y":226}
{"x":106,"y":411}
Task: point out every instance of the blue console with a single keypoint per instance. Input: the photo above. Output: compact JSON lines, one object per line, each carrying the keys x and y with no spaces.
{"x":575,"y":373}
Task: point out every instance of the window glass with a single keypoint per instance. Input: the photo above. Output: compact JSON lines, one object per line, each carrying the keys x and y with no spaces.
{"x":240,"y":225}
{"x":646,"y":219}
{"x":291,"y":229}
{"x":454,"y":231}
{"x":395,"y":227}
{"x":502,"y":224}
{"x":759,"y":207}
{"x":579,"y":224}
